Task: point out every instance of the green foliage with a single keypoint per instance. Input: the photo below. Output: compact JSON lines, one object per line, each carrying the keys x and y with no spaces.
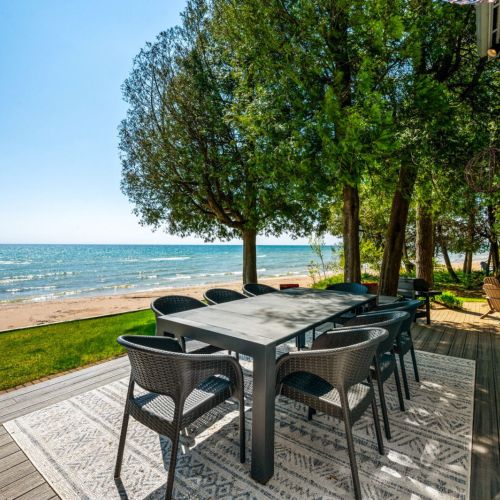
{"x":312,"y":75}
{"x":33,"y":353}
{"x":450,"y":300}
{"x":318,"y":270}
{"x":190,"y":162}
{"x":256,"y":114}
{"x":339,"y":278}
{"x":371,"y":254}
{"x":474,"y":281}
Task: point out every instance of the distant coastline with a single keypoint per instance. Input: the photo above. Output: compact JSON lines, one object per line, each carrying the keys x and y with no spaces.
{"x":51,"y":272}
{"x":15,"y":315}
{"x":44,"y":272}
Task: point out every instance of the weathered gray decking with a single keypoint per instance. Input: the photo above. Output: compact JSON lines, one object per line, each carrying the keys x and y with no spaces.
{"x":460,"y":334}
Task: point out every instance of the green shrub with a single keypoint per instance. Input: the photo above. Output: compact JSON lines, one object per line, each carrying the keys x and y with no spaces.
{"x":339,"y":278}
{"x":450,"y":300}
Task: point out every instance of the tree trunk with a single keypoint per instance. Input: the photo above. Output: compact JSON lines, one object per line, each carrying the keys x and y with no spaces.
{"x":352,"y":262}
{"x":446,"y":257}
{"x":495,"y":259}
{"x":469,"y":263}
{"x":447,"y":262}
{"x":395,"y":235}
{"x":409,"y":266}
{"x":249,"y":237}
{"x":425,"y":245}
{"x":467,"y":267}
{"x":494,"y":251}
{"x":466,"y":259}
{"x":470,"y":243}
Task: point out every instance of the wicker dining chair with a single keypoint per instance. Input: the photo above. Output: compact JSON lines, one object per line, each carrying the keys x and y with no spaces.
{"x":253,"y":289}
{"x":334,"y":377}
{"x":178,"y":389}
{"x":220,"y":295}
{"x":354,"y":288}
{"x":171,"y":304}
{"x":384,"y":361}
{"x":404,"y":341}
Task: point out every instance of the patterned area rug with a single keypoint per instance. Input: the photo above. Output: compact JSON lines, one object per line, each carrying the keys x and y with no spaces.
{"x":73,"y":444}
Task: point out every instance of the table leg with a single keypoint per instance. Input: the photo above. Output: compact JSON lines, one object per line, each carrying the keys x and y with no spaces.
{"x":264,"y":380}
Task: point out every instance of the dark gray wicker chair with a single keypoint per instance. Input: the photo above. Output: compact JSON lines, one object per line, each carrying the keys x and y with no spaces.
{"x":404,"y":341}
{"x":253,"y":289}
{"x":180,"y":388}
{"x":384,"y":362}
{"x":171,"y":304}
{"x":355,"y":288}
{"x":332,"y":378}
{"x":221,"y":295}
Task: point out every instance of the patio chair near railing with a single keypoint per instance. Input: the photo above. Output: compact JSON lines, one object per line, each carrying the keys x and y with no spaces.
{"x":493,"y":297}
{"x":177,"y":388}
{"x":220,"y":295}
{"x":334,"y":377}
{"x":253,"y":289}
{"x":418,"y":288}
{"x":384,"y":362}
{"x":171,"y":304}
{"x":404,"y":341}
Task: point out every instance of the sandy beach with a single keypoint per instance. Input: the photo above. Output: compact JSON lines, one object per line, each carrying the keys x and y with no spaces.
{"x":23,"y":314}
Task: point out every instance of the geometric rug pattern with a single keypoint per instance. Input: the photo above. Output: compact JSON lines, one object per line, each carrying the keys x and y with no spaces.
{"x":73,"y":444}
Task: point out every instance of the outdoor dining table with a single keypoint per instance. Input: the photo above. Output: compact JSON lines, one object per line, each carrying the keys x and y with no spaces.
{"x":255,"y":326}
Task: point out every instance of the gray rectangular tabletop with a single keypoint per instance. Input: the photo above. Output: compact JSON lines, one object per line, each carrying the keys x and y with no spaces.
{"x":255,"y":326}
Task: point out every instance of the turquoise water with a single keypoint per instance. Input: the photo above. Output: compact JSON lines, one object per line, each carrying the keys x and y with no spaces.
{"x":48,"y":272}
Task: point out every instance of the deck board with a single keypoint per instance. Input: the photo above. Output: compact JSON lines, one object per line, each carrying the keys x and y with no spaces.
{"x":54,"y":384}
{"x":12,"y":460}
{"x":22,"y":486}
{"x":453,"y":333}
{"x":485,"y":459}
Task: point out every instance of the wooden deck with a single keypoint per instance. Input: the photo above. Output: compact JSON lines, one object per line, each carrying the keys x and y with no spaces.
{"x":460,"y":334}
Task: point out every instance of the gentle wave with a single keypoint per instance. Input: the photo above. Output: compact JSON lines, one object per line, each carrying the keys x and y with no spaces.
{"x":14,"y":262}
{"x":160,"y":259}
{"x":60,"y":271}
{"x":32,"y":277}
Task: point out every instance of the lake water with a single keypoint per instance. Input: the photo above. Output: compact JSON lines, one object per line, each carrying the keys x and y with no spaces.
{"x":47,"y":272}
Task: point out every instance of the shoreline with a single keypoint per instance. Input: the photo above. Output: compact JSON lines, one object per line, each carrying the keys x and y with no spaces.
{"x":16,"y":315}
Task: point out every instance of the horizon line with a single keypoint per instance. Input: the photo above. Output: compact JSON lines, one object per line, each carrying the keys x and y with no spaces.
{"x":172,"y":244}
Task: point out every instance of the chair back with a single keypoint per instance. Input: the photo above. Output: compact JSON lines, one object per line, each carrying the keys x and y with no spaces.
{"x":493,"y":294}
{"x":156,"y":363}
{"x":354,"y":288}
{"x":221,"y":295}
{"x":253,"y":289}
{"x":392,"y":321}
{"x":341,"y":357}
{"x":171,"y":304}
{"x":410,"y":306}
{"x":491,"y":280}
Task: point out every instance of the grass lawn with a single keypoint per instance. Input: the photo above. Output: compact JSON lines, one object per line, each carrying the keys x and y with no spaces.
{"x":33,"y":353}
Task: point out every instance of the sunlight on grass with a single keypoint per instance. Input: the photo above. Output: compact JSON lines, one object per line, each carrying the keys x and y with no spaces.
{"x":33,"y":353}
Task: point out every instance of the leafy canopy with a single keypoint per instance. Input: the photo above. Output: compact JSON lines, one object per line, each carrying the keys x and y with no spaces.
{"x":188,"y":161}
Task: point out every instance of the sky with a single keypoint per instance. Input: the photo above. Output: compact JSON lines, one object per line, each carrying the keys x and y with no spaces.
{"x":62,"y":64}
